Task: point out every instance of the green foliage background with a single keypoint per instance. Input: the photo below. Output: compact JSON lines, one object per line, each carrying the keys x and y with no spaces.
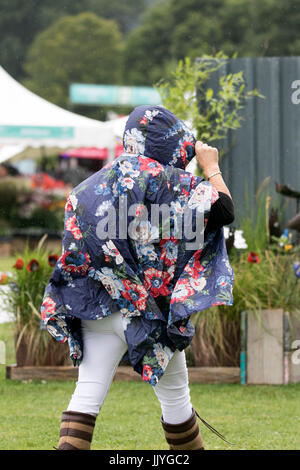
{"x":141,"y":41}
{"x":71,"y":50}
{"x":174,"y":29}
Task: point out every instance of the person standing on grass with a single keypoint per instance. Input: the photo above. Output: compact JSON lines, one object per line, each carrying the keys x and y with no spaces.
{"x":143,"y":249}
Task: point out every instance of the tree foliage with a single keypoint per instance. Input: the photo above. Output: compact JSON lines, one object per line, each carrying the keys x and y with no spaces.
{"x":82,"y":49}
{"x":21,"y":21}
{"x":156,"y":33}
{"x":174,"y":29}
{"x":188,"y":95}
{"x":146,"y":54}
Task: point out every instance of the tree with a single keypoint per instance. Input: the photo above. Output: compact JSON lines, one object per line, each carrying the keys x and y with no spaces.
{"x":82,"y":48}
{"x":276,"y":26}
{"x":171,"y":30}
{"x":126,"y":13}
{"x":146,"y":53}
{"x":174,"y":29}
{"x":197,"y":28}
{"x":21,"y":21}
{"x":248,"y":27}
{"x":17,"y":30}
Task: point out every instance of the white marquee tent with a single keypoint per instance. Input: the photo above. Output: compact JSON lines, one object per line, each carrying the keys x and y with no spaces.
{"x":26,"y":120}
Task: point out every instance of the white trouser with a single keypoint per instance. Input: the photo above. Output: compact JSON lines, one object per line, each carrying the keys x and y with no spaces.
{"x":104,"y":346}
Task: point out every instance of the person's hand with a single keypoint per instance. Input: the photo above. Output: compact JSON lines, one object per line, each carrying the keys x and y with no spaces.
{"x":207,"y":158}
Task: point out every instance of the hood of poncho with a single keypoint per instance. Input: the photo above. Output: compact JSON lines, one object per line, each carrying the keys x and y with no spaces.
{"x":157,"y":133}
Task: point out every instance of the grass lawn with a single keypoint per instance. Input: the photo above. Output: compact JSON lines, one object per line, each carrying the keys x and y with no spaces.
{"x":252,"y":417}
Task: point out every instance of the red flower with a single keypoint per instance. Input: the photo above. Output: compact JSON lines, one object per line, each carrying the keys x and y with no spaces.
{"x":52,"y":260}
{"x":147,"y":372}
{"x":140,"y":209}
{"x":68,"y":206}
{"x":253,"y":257}
{"x":184,"y":151}
{"x":47,"y":308}
{"x":144,"y":121}
{"x":19,"y":264}
{"x":182,"y":291}
{"x":33,"y":265}
{"x":149,"y":165}
{"x":46,"y":181}
{"x":169,"y":250}
{"x":71,"y":226}
{"x":196,"y":267}
{"x":75,"y":262}
{"x":3,"y":278}
{"x":194,"y":182}
{"x":136,"y":293}
{"x":156,"y":282}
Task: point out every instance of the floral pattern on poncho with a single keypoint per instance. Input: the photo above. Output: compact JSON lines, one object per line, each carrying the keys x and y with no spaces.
{"x":143,"y":268}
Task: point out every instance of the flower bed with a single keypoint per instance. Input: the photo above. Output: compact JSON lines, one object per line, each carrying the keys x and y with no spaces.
{"x":27,"y":281}
{"x":27,"y":203}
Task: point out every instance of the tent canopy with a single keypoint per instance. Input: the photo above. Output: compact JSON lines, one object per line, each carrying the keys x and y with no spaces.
{"x":28,"y":120}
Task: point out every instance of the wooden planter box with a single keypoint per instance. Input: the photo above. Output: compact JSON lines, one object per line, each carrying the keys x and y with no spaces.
{"x":210,"y":375}
{"x":267,"y":354}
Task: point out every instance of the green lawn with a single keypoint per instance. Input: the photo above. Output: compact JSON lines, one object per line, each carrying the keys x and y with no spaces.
{"x":252,"y":417}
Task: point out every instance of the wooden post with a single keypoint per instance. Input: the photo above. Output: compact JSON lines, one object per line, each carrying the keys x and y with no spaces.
{"x":265,"y":347}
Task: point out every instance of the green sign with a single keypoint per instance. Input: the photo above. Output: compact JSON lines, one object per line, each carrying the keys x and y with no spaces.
{"x":113,"y":95}
{"x":36,"y":132}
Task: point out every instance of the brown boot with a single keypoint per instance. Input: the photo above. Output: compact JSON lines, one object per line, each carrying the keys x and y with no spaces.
{"x":76,"y":431}
{"x":183,"y":436}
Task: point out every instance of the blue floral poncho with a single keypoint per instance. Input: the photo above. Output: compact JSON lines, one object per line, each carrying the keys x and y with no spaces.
{"x":152,"y":279}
